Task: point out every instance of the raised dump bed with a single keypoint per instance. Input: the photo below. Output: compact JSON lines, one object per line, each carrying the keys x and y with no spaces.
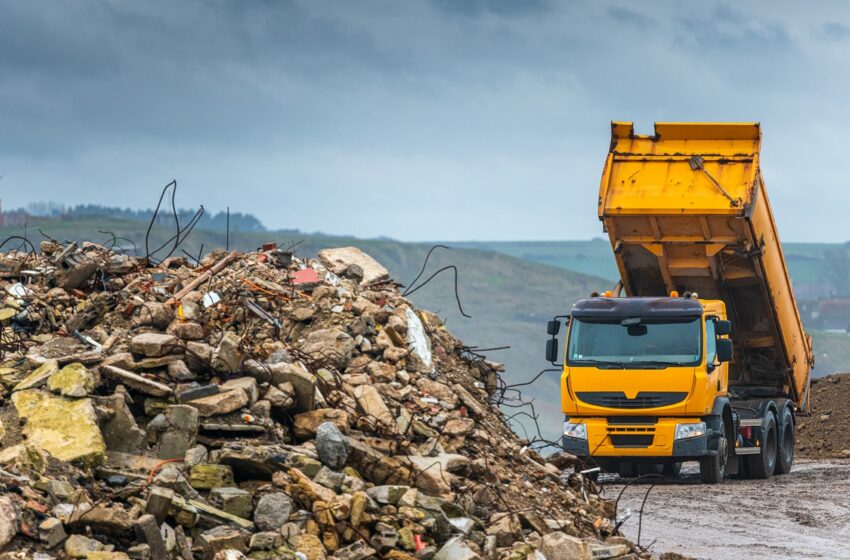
{"x":686,"y":210}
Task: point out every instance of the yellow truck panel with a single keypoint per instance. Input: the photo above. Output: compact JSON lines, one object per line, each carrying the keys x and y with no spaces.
{"x":686,"y":210}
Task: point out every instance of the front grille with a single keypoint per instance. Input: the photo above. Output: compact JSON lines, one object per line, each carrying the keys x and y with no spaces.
{"x":618,"y":399}
{"x":631,"y":440}
{"x":630,"y":420}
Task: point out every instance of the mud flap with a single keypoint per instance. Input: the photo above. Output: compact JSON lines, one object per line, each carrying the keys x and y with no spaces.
{"x":733,"y":464}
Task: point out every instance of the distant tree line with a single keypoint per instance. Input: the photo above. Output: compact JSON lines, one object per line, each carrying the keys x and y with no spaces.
{"x":216,"y":222}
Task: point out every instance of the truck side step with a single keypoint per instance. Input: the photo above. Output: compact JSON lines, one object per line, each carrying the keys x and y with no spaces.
{"x":748,"y":451}
{"x":753,"y":422}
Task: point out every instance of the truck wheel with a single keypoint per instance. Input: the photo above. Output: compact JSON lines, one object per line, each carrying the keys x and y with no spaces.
{"x":644,"y":469}
{"x":764,"y":464}
{"x":608,"y":465}
{"x":712,"y":469}
{"x":671,"y":469}
{"x":785,"y":455}
{"x":628,"y":470}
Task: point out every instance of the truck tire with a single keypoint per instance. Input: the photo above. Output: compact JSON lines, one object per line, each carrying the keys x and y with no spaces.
{"x":646,"y":469}
{"x":671,"y":469}
{"x":785,"y":452}
{"x":763,"y":465}
{"x":712,"y":469}
{"x":608,"y":465}
{"x":628,"y":470}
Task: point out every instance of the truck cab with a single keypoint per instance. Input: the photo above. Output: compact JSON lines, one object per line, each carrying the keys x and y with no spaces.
{"x":641,"y":379}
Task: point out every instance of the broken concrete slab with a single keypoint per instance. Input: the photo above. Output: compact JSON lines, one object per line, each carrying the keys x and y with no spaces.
{"x":333,"y":345}
{"x":222,"y":403}
{"x":154,"y":345}
{"x":39,"y":376}
{"x":73,"y":380}
{"x":339,"y":259}
{"x":373,"y":404}
{"x":179,"y":431}
{"x":67,"y":429}
{"x":118,"y":425}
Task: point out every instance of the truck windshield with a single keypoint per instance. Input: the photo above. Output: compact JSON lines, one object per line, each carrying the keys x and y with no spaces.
{"x":650,"y":342}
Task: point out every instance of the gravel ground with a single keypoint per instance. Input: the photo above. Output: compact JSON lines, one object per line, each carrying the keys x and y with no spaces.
{"x":805,"y":514}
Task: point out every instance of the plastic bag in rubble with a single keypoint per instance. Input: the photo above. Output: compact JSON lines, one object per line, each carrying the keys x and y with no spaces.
{"x":18,"y":290}
{"x":417,"y":338}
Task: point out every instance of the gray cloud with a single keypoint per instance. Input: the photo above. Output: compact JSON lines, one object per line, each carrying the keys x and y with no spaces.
{"x":423,"y":119}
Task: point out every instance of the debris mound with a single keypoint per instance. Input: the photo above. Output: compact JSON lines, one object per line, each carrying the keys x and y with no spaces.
{"x":824,"y":432}
{"x":265,"y":406}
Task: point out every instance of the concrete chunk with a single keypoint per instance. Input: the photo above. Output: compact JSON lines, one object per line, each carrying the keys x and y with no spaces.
{"x":222,"y":403}
{"x":67,"y":429}
{"x":154,"y":345}
{"x":339,"y":259}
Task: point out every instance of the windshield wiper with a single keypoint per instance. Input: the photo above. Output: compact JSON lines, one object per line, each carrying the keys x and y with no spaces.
{"x":601,"y":363}
{"x":652,"y":364}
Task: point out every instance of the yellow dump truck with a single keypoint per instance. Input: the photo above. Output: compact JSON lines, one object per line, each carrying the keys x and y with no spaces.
{"x":698,"y":354}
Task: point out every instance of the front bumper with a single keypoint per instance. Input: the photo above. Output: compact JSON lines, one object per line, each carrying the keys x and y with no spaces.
{"x":621,"y":439}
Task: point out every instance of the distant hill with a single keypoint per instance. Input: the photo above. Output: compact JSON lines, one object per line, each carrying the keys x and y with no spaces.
{"x":817,"y":270}
{"x":588,"y":257}
{"x":238,"y":221}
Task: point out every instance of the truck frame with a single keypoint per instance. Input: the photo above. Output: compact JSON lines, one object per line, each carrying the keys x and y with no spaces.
{"x":704,"y":357}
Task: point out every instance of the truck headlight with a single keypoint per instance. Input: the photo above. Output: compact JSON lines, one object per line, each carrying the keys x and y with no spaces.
{"x":685,"y":431}
{"x":575,"y":430}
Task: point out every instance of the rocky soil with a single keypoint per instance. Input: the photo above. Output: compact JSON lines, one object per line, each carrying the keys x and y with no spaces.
{"x":264,"y":406}
{"x":826,"y":431}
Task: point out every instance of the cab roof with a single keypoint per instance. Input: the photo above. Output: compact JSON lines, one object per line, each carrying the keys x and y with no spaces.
{"x":637,"y":307}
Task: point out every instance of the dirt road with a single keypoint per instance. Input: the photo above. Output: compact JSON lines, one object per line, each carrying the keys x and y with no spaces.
{"x":802,"y":515}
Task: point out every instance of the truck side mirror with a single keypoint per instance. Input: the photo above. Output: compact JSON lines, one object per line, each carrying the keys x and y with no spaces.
{"x":553,"y":327}
{"x":724,"y":350}
{"x":552,"y":350}
{"x":722,"y":327}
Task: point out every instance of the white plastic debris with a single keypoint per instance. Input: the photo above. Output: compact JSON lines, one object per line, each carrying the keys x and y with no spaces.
{"x":17,"y":290}
{"x":210,"y":299}
{"x":332,"y":279}
{"x":417,"y":339}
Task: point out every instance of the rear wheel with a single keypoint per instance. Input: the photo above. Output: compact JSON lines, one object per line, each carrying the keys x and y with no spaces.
{"x":785,"y":454}
{"x":763,"y":465}
{"x":671,"y":469}
{"x":712,"y":469}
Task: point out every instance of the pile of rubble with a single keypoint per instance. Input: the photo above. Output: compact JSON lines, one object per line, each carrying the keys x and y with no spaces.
{"x":264,"y":406}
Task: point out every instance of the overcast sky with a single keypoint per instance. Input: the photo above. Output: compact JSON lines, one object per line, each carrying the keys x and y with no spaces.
{"x":419,"y":120}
